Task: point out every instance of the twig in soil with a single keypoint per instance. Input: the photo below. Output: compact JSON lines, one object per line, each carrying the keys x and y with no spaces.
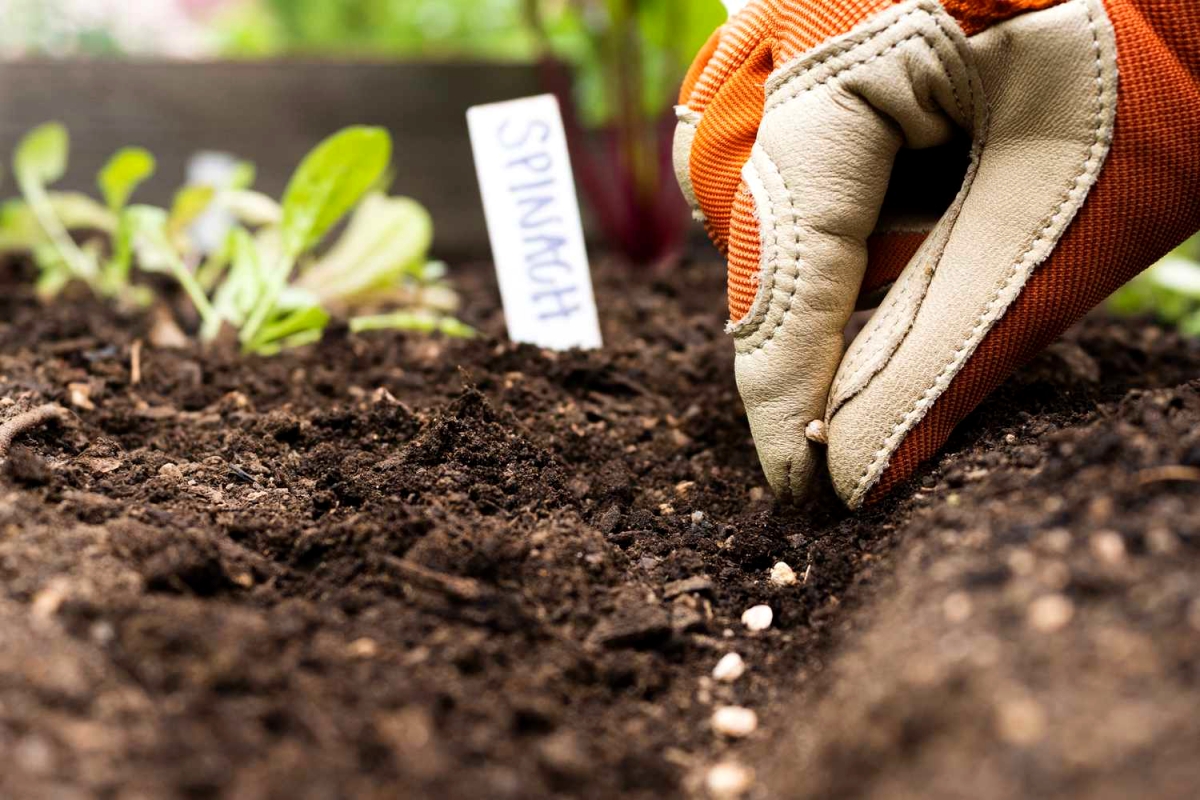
{"x":21,"y":423}
{"x":135,"y":363}
{"x":464,"y":590}
{"x":1178,"y":473}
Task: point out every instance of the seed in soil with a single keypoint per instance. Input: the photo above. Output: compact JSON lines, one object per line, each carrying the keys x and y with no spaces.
{"x":735,"y":722}
{"x":758,"y":618}
{"x":1108,"y":547}
{"x":729,"y":668}
{"x":728,"y":780}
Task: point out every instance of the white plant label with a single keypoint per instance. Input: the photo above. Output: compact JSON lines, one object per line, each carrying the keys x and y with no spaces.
{"x":534,"y":223}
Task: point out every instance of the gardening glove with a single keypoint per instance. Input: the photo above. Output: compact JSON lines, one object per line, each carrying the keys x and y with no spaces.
{"x":1079,"y":125}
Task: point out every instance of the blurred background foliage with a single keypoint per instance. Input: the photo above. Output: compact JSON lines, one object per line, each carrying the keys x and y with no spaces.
{"x":624,"y":61}
{"x":1168,"y":291}
{"x":583,"y":33}
{"x":615,"y":66}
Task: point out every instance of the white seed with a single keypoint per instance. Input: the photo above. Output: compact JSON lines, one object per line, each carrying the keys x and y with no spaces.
{"x":1109,"y":547}
{"x":728,"y":780}
{"x":758,"y":618}
{"x":735,"y":722}
{"x":729,"y":668}
{"x":1051,"y":613}
{"x":697,"y":517}
{"x":783,"y":575}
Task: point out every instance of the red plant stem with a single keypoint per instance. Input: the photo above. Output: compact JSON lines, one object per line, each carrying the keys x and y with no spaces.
{"x":626,"y":183}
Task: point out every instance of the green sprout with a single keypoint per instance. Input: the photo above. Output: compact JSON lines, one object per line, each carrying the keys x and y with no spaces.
{"x":40,"y":161}
{"x":274,"y":281}
{"x":118,"y":180}
{"x":329,"y":182}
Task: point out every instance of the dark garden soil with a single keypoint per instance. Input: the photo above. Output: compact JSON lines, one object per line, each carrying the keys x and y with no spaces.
{"x":395,"y":566}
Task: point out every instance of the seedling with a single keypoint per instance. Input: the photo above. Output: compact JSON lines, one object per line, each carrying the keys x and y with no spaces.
{"x":327,"y":185}
{"x":39,"y":162}
{"x":118,"y":180}
{"x":271,"y":281}
{"x":278,"y":294}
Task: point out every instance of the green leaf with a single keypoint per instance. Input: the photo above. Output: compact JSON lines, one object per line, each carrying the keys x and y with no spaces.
{"x":417,"y":321}
{"x":238,"y":294}
{"x":302,"y":323}
{"x":41,"y":157}
{"x":190,"y":203}
{"x":330,"y":181}
{"x":148,"y":227}
{"x":21,"y":231}
{"x":115,"y":279}
{"x":296,"y":340}
{"x":124,"y":172}
{"x":387,"y":239}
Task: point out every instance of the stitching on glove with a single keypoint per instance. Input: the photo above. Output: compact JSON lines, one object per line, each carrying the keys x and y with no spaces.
{"x":923,"y":10}
{"x":761,"y":308}
{"x":770,"y":228}
{"x":1011,"y":288}
{"x":691,"y":119}
{"x":890,"y":324}
{"x":769,"y":234}
{"x":761,"y":311}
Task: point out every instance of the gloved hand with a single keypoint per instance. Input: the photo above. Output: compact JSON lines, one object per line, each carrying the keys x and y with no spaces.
{"x":1071,"y":129}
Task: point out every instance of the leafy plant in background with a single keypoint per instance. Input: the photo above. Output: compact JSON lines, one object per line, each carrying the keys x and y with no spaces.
{"x":615,"y":65}
{"x":1170,"y":290}
{"x":376,"y":28}
{"x":272,"y":282}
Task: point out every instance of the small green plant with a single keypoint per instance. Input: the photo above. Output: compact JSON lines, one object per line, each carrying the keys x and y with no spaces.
{"x":1170,"y":290}
{"x":39,"y":162}
{"x":273,"y":282}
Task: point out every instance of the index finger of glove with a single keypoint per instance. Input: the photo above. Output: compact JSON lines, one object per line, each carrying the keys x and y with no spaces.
{"x":720,"y":110}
